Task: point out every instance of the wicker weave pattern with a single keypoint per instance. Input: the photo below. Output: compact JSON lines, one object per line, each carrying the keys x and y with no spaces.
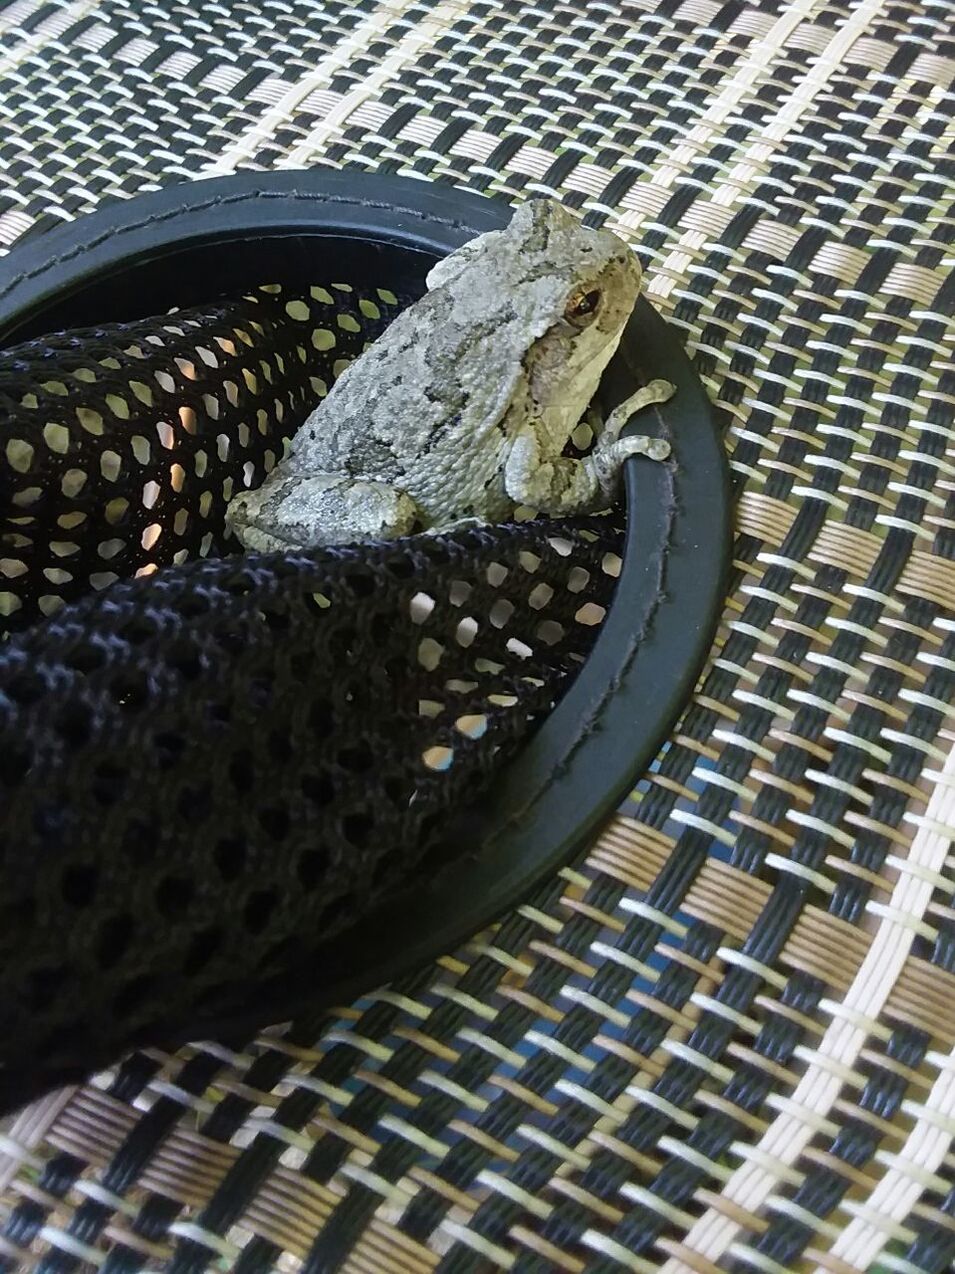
{"x":725,"y":1040}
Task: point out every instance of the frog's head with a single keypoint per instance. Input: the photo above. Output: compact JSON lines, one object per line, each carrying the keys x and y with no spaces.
{"x":584,"y":284}
{"x":560,"y":289}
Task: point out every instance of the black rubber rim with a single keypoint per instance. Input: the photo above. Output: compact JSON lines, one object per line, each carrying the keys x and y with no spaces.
{"x":586,"y":757}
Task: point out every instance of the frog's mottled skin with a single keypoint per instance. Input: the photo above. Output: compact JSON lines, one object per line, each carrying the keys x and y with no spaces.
{"x":461,"y":409}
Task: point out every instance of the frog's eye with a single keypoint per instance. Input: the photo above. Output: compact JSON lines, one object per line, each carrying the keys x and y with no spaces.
{"x":581,"y":309}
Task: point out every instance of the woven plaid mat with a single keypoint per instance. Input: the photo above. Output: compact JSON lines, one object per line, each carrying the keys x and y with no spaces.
{"x":725,"y":1039}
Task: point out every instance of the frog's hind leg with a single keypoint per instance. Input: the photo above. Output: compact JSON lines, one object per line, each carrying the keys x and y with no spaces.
{"x":318,"y":509}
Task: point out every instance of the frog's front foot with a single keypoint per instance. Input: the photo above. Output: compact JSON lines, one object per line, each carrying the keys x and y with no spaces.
{"x":658,"y":391}
{"x":610,"y":454}
{"x":611,"y":451}
{"x":315,"y":510}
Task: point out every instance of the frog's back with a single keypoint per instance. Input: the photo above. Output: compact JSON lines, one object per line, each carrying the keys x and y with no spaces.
{"x":428,"y":407}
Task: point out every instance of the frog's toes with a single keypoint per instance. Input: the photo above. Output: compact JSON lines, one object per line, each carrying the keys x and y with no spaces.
{"x":657,"y":448}
{"x":658,"y":391}
{"x":612,"y":455}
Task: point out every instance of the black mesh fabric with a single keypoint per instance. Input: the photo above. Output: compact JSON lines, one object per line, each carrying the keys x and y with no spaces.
{"x":210,"y":769}
{"x":122,"y":445}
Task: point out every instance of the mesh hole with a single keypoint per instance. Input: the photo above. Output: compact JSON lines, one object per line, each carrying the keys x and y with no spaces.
{"x":317,"y":788}
{"x":301,"y":666}
{"x":280,"y":747}
{"x":435,"y":859}
{"x":429,"y":653}
{"x":357,"y":829}
{"x":420,"y":607}
{"x":193,"y":607}
{"x":359,"y":758}
{"x":168,"y":747}
{"x":466,"y":631}
{"x":202,"y":947}
{"x":195,"y":804}
{"x":337,"y":909}
{"x":75,"y":723}
{"x":26,"y":688}
{"x":312,"y":867}
{"x":79,"y":883}
{"x":140,"y":839}
{"x":381,"y":627}
{"x":137,"y":630}
{"x":342,"y":643}
{"x":44,"y":985}
{"x":401,"y":568}
{"x":84,"y":658}
{"x":51,"y":822}
{"x":385,"y":870}
{"x":185,"y":659}
{"x":258,"y":910}
{"x":64,"y":1039}
{"x":108,"y":783}
{"x":541,"y":595}
{"x":130,"y":690}
{"x":260,"y":693}
{"x":438,"y":757}
{"x":242,"y":771}
{"x":399,"y":791}
{"x":321,"y":717}
{"x":277,"y":620}
{"x":15,"y":763}
{"x":281,"y":952}
{"x":230,"y":856}
{"x":219,"y":713}
{"x":590,"y":614}
{"x":275,"y":822}
{"x":436,"y":553}
{"x":232,"y":640}
{"x":134,"y":995}
{"x":473,"y":725}
{"x":112,"y":940}
{"x":550,"y":632}
{"x":174,"y":896}
{"x":501,"y":612}
{"x":360,"y":583}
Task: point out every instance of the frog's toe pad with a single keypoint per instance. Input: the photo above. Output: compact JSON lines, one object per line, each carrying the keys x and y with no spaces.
{"x":658,"y":391}
{"x":658,"y":448}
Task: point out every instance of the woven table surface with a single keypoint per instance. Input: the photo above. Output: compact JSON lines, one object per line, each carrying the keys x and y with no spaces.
{"x":725,"y":1038}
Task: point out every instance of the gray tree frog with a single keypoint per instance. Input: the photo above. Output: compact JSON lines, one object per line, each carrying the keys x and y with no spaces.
{"x":462,"y":408}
